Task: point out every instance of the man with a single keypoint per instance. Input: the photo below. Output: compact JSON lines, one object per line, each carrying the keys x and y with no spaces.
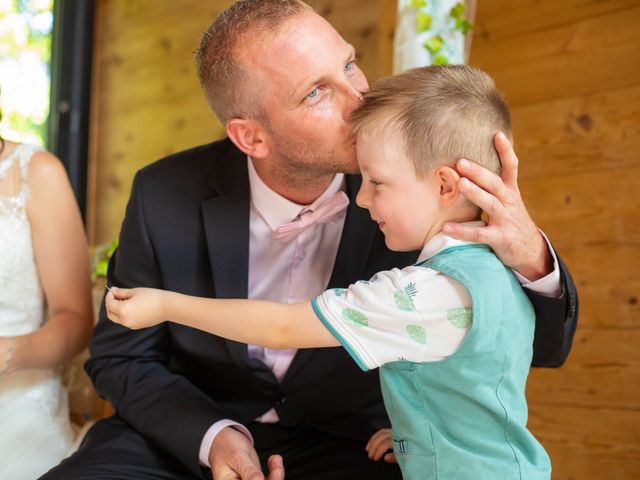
{"x":208,"y":222}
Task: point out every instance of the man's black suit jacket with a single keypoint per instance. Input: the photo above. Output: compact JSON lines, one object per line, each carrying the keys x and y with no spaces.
{"x":187,"y":229}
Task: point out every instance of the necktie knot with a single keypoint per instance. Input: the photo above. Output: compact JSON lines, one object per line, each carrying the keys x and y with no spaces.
{"x":326,"y":212}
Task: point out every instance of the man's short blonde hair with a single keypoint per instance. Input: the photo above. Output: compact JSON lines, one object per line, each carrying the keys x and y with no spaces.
{"x":226,"y":83}
{"x":443,"y":114}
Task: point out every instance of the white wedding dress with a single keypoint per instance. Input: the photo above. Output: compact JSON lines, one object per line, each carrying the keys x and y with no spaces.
{"x":35,"y":432}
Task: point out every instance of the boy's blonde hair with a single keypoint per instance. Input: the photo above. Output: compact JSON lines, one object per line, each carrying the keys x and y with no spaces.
{"x":443,"y":114}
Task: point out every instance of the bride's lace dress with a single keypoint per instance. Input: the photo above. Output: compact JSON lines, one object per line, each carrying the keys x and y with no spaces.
{"x":35,"y":433}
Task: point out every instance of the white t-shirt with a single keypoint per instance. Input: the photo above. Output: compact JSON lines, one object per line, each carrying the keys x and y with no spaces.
{"x":415,"y":314}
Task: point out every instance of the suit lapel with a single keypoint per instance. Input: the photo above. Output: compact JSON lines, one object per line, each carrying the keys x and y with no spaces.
{"x":225,"y":216}
{"x":355,"y":245}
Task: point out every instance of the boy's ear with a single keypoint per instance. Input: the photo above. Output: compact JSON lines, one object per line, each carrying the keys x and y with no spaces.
{"x":249,"y":136}
{"x":448,"y":179}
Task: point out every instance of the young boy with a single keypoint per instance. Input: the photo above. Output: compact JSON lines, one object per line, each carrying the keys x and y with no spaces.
{"x":453,"y":333}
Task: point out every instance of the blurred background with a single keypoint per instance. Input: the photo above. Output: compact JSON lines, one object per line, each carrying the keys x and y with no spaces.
{"x":110,"y":86}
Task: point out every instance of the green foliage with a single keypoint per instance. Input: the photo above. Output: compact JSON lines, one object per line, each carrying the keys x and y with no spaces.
{"x":417,"y":333}
{"x":404,"y":298}
{"x":100,"y":259}
{"x":423,"y":22}
{"x":355,"y":317}
{"x":457,"y":11}
{"x":433,"y":44}
{"x":459,"y":317}
{"x":440,"y":60}
{"x":29,"y":37}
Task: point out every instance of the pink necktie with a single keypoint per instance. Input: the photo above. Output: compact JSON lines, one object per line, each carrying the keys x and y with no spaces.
{"x":323,"y":214}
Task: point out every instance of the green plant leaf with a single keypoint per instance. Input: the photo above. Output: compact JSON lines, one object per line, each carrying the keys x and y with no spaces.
{"x":417,"y":333}
{"x":457,"y":11}
{"x":423,"y":22}
{"x":355,"y":317}
{"x":418,"y":3}
{"x":403,"y":301}
{"x":440,"y":60}
{"x":433,"y":44}
{"x":459,"y":317}
{"x":463,"y":26}
{"x":411,"y":289}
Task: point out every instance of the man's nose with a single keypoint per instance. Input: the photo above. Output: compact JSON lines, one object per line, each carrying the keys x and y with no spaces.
{"x":353,"y":98}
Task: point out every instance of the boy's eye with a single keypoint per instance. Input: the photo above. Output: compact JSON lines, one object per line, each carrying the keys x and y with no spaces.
{"x":375,"y":183}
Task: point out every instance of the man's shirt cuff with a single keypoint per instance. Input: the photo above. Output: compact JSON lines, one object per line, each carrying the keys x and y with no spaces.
{"x":549,"y":285}
{"x":207,"y":440}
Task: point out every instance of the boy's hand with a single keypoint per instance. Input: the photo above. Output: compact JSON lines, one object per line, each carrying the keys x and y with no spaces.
{"x":379,"y":446}
{"x":137,"y":307}
{"x":510,"y":231}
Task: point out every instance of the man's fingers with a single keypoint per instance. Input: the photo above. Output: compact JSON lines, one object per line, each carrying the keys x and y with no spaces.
{"x":276,"y":468}
{"x":508,"y":159}
{"x":480,"y":197}
{"x":469,"y":233}
{"x":482,"y":178}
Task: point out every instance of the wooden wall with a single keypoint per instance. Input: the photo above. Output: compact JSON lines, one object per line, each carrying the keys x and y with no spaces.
{"x":571,"y":72}
{"x":146,"y":99}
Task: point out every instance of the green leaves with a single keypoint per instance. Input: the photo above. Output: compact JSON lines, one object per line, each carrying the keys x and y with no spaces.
{"x":459,"y":317}
{"x":404,"y":298}
{"x":417,"y":333}
{"x":440,"y":60}
{"x":418,"y":3}
{"x":423,"y":22}
{"x":433,"y":44}
{"x":356,"y":317}
{"x":100,"y":259}
{"x":457,"y":11}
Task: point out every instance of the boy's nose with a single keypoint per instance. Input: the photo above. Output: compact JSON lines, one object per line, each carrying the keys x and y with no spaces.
{"x":361,"y":197}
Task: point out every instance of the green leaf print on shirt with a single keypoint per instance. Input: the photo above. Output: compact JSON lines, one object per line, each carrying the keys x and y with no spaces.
{"x":354,"y":316}
{"x":459,"y":317}
{"x":340,"y":292}
{"x":403,"y":298}
{"x":417,"y":333}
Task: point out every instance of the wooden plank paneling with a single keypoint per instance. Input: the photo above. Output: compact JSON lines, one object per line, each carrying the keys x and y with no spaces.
{"x":587,"y":443}
{"x":589,"y":55}
{"x":607,"y":275}
{"x":602,"y":205}
{"x":497,"y":19}
{"x":603,"y":371}
{"x":586,"y":133}
{"x":571,"y":73}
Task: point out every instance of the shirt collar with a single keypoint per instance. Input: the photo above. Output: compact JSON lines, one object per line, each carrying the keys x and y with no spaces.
{"x":277,"y":210}
{"x":442,"y":241}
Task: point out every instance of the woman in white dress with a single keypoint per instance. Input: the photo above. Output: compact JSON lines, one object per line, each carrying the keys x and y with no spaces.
{"x":45,"y":308}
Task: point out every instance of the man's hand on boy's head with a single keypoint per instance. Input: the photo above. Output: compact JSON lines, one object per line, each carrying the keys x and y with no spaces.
{"x":510,"y":231}
{"x":135,"y":308}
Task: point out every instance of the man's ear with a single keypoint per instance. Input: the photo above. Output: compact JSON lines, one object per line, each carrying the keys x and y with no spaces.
{"x":447,"y":179}
{"x":249,"y":136}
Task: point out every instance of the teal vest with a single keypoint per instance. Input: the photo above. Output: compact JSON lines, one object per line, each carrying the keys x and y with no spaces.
{"x":465,"y":417}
